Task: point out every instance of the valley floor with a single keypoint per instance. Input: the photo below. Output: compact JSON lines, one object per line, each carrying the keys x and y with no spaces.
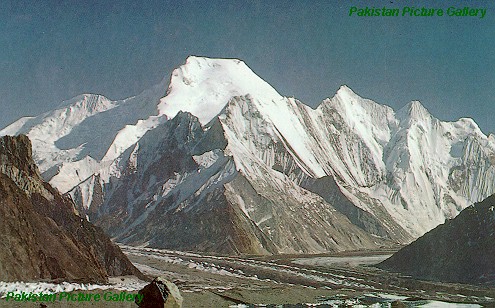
{"x":323,"y":280}
{"x":339,"y":279}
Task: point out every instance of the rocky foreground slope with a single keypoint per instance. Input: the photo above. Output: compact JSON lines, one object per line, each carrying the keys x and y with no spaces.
{"x":461,"y":250}
{"x":219,"y":161}
{"x":40,"y":235}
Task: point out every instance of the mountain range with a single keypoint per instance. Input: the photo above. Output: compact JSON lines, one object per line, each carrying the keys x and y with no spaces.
{"x":214,"y":159}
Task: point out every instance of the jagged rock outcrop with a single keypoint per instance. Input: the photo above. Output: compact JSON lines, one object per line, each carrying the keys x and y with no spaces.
{"x":41,"y":235}
{"x":460,"y":250}
{"x":160,"y":293}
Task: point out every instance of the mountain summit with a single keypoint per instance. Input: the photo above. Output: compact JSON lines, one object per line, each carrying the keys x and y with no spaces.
{"x":219,"y":161}
{"x":203,"y":87}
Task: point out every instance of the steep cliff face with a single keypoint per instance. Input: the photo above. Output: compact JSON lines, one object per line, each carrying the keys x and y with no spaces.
{"x":42,"y":237}
{"x":461,"y":250}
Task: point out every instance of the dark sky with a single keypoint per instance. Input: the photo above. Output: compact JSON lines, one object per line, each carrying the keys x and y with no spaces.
{"x":51,"y":51}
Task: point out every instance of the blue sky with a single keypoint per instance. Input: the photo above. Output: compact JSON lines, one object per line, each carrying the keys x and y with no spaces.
{"x":53,"y":50}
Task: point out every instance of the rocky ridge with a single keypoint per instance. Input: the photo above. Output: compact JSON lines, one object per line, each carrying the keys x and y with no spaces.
{"x":460,"y":250}
{"x":43,"y":237}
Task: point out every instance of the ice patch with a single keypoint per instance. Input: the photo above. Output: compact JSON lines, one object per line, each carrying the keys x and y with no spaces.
{"x":206,"y":160}
{"x":118,"y":283}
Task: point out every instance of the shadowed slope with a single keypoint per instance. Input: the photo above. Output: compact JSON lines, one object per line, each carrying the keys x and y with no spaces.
{"x":42,"y":236}
{"x":461,"y":250}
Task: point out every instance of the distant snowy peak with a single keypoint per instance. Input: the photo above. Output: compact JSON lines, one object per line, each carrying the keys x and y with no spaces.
{"x":90,"y":102}
{"x":71,"y":141}
{"x":358,"y":111}
{"x":369,"y":121}
{"x":204,"y":86}
{"x":412,"y":112}
{"x":57,"y":123}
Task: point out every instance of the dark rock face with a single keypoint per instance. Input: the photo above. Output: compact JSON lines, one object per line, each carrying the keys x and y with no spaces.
{"x":42,"y":236}
{"x":160,"y":293}
{"x":461,"y":250}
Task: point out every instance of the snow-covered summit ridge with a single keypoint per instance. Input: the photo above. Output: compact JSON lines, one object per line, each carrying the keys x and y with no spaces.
{"x":86,"y":100}
{"x":203,"y":86}
{"x":54,"y":124}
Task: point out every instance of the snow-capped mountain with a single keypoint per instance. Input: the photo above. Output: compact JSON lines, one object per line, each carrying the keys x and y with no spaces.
{"x":222,"y":162}
{"x":71,"y":142}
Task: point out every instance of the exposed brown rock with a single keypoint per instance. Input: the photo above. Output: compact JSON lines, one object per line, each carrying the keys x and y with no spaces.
{"x":398,"y":304}
{"x":41,"y":235}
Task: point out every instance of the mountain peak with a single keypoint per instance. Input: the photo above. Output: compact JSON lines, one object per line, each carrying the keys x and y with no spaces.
{"x":417,"y":107}
{"x":203,"y":86}
{"x":89,"y":102}
{"x":345,"y":89}
{"x":346,"y":93}
{"x":201,"y":61}
{"x":413,"y":110}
